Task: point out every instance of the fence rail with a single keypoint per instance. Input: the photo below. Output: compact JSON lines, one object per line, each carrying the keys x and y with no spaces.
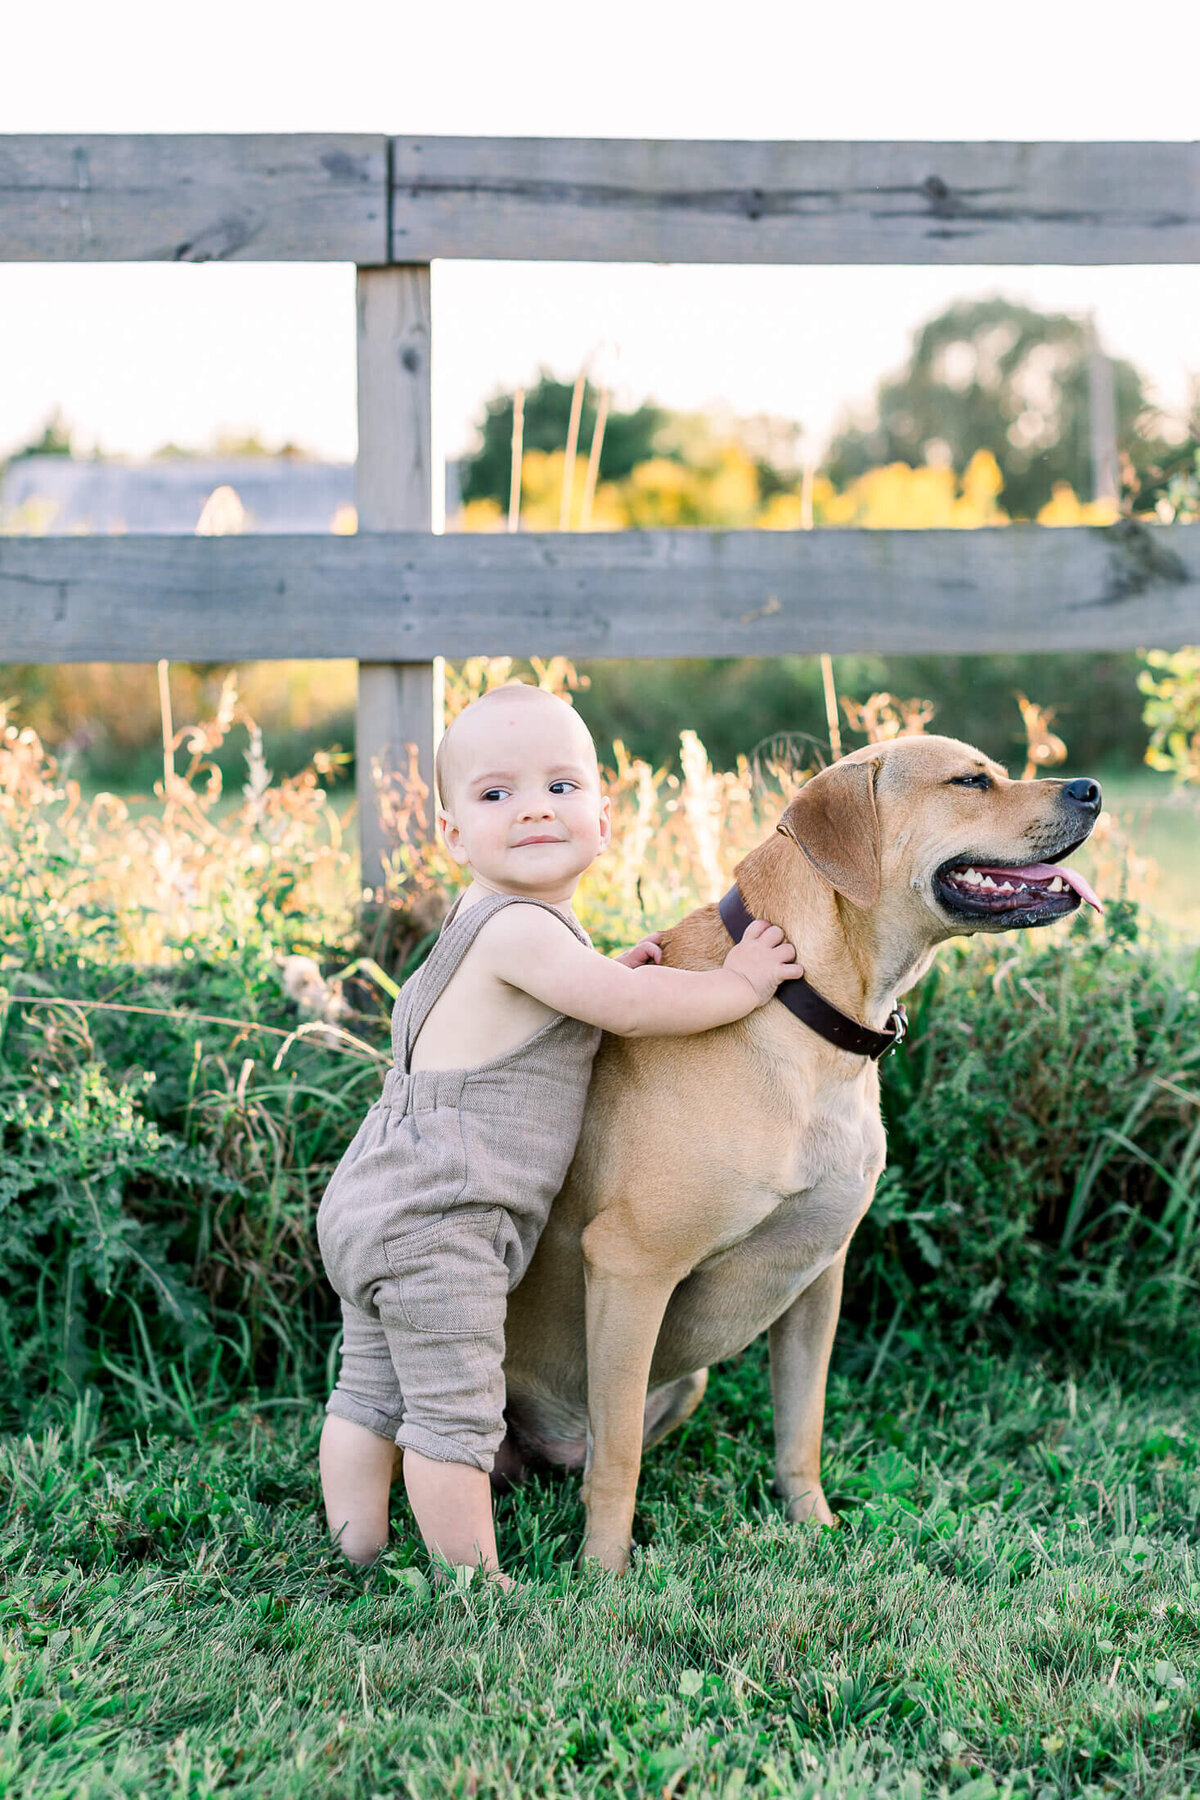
{"x":637,"y":201}
{"x":409,"y":596}
{"x":374,"y":200}
{"x":303,"y":198}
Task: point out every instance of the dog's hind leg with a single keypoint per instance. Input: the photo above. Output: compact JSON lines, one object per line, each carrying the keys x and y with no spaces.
{"x":669,"y":1406}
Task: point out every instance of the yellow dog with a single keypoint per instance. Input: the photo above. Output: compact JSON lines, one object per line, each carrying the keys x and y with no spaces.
{"x":719,"y":1178}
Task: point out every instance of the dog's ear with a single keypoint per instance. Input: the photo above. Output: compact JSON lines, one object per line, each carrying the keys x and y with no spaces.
{"x":834,"y":820}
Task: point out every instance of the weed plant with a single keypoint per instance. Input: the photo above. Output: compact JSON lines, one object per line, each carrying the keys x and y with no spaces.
{"x":195,"y":1041}
{"x":1043,"y":1141}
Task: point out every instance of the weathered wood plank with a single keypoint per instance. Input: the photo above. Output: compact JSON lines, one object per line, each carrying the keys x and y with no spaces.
{"x":399,"y":704}
{"x":313,"y":197}
{"x":303,"y":198}
{"x":409,"y":597}
{"x":635,"y":200}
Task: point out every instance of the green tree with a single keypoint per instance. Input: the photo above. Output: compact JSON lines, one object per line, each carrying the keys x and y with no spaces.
{"x":54,"y":439}
{"x":629,"y":437}
{"x":994,"y":375}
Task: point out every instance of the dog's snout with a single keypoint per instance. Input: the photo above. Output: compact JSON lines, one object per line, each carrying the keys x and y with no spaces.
{"x":1084,"y":792}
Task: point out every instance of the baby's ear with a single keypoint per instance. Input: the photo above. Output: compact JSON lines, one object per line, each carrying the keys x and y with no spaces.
{"x":605,"y":821}
{"x":451,"y":836}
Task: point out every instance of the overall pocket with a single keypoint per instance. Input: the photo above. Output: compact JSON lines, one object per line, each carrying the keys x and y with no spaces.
{"x":451,"y":1279}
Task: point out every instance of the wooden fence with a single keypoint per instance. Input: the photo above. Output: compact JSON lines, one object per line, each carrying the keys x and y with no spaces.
{"x":396,"y":596}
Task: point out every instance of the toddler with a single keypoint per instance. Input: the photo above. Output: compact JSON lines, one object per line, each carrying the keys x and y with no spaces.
{"x":433,"y":1212}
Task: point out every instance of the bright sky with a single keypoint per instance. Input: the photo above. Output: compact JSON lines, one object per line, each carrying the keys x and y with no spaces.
{"x":136,"y":356}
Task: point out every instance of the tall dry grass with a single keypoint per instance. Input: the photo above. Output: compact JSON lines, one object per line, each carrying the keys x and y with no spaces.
{"x":178,"y":873}
{"x":199,"y":863}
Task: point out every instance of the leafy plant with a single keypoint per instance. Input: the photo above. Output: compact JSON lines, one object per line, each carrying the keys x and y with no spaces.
{"x":190,"y":1033}
{"x":1171,"y":684}
{"x":1044,"y":1144}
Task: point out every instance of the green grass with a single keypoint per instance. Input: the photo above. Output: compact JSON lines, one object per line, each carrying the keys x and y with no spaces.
{"x":1012,"y":1606}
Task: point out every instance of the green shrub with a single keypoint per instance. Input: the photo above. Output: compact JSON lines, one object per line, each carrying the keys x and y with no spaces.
{"x":172,"y":1104}
{"x":1044,"y":1136}
{"x":75,"y":1244}
{"x":157,"y":1194}
{"x":1044,"y":1130}
{"x":158,"y":1174}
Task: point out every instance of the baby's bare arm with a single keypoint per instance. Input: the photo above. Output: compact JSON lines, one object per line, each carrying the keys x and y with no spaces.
{"x":529,"y":949}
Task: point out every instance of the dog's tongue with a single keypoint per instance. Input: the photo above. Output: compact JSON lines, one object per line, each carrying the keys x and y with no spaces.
{"x":1072,"y":877}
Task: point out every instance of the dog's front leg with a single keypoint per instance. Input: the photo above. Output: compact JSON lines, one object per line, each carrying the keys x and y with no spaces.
{"x":801,"y":1341}
{"x":625,"y":1307}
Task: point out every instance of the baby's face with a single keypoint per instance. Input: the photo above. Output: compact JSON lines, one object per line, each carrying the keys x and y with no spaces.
{"x":524,"y":809}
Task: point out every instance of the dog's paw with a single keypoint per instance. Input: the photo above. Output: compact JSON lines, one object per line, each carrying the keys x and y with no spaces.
{"x":810,"y":1508}
{"x":607,"y":1554}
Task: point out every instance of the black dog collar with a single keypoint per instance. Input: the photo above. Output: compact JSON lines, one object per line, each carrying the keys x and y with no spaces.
{"x":800,"y":998}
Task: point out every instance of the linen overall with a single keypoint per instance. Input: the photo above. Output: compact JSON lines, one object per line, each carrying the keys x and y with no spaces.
{"x":433,"y":1212}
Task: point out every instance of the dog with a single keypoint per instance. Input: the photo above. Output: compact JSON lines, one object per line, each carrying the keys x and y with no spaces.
{"x":719,"y":1178}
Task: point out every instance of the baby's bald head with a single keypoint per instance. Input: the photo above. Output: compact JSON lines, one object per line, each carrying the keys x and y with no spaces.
{"x":501,"y":722}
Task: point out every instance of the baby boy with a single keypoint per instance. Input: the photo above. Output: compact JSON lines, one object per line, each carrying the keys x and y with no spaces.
{"x":434,"y":1211}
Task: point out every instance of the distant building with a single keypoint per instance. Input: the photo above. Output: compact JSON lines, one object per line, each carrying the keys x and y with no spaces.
{"x":60,"y":494}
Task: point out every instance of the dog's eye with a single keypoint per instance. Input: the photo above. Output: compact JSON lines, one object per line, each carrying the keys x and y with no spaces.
{"x":980,"y":780}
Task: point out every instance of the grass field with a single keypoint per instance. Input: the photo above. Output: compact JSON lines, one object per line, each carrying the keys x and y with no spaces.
{"x":1010,"y":1607}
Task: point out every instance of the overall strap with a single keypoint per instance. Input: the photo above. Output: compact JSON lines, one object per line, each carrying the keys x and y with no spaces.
{"x":422,"y":993}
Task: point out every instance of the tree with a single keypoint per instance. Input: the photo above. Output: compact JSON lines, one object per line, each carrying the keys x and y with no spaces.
{"x":629,"y":437}
{"x":55,"y":439}
{"x":993,"y":375}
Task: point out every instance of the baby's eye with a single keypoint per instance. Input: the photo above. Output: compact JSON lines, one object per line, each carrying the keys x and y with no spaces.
{"x":494,"y":794}
{"x":563,"y":787}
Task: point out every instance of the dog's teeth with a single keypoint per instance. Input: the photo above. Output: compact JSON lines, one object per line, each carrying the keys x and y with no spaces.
{"x":1006,"y":887}
{"x":1056,"y":886}
{"x":987,"y":882}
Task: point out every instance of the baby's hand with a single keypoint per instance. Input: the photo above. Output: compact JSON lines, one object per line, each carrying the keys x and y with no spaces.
{"x":648,"y":951}
{"x":765,"y":958}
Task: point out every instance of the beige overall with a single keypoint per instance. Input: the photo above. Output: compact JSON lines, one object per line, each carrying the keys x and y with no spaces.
{"x":432,"y":1215}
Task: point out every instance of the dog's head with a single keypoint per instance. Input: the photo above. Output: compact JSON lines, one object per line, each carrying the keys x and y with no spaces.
{"x":931,"y":823}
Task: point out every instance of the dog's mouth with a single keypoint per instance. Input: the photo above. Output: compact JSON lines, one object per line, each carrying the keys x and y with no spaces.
{"x":1014,"y":894}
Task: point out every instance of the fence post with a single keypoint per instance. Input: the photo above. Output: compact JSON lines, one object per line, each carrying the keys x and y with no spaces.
{"x":1102,"y":418}
{"x":399,"y":704}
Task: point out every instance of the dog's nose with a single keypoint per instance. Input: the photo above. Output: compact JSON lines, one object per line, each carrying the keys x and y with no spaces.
{"x":1084,"y":792}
